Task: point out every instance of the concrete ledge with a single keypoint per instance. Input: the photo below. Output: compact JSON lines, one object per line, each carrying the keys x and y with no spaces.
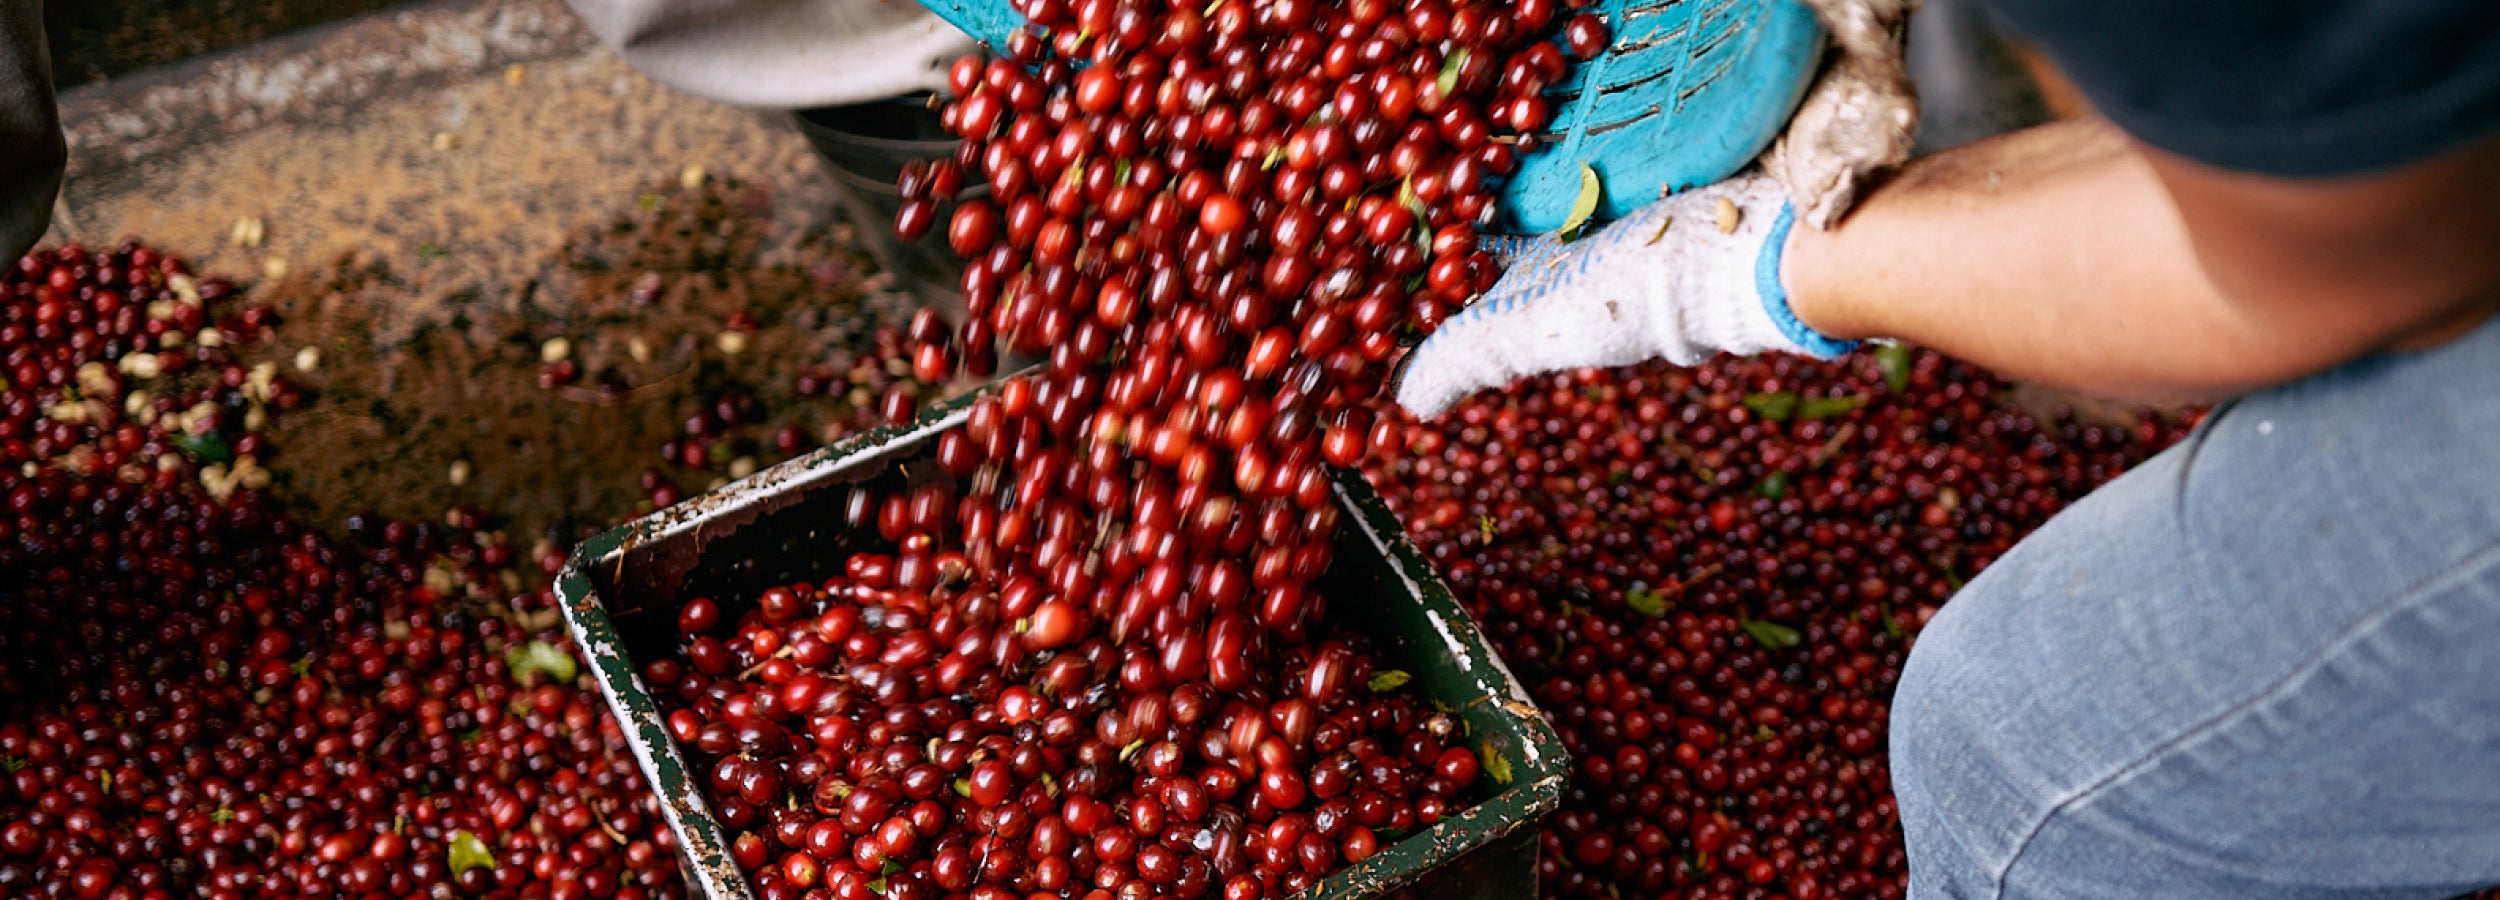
{"x":319,"y":75}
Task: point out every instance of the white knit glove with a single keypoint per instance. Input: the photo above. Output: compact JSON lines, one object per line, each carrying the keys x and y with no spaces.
{"x":1683,"y":278}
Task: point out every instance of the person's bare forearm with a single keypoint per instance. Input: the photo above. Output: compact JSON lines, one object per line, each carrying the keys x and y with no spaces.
{"x":2058,"y":254}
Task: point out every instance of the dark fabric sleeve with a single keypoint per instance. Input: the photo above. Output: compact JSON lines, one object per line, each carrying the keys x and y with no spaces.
{"x":31,"y":151}
{"x":2295,"y":88}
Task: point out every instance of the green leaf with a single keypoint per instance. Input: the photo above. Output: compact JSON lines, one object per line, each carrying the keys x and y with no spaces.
{"x":1771,"y":634}
{"x":1582,"y":206}
{"x":1894,"y":359}
{"x":1813,"y":408}
{"x":889,"y":867}
{"x":963,"y":787}
{"x":1485,"y":527}
{"x":467,"y":852}
{"x":647,"y":201}
{"x":1387,"y":680}
{"x":1775,"y":407}
{"x":876,"y":885}
{"x":427,"y":250}
{"x":1661,"y":233}
{"x":1773,"y":486}
{"x":1494,"y":764}
{"x":207,"y":448}
{"x":541,"y":657}
{"x":1646,"y":602}
{"x":1892,"y":626}
{"x":1448,"y":82}
{"x":223,"y":815}
{"x":302,"y":667}
{"x":12,"y":765}
{"x":1132,"y":748}
{"x":1275,"y":155}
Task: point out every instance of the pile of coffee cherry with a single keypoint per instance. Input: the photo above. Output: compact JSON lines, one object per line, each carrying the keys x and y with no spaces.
{"x":902,"y":731}
{"x":1710,"y":578}
{"x":201,"y":698}
{"x":1216,"y":223}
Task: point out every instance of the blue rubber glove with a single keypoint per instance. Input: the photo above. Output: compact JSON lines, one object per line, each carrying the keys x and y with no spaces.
{"x":1680,"y":279}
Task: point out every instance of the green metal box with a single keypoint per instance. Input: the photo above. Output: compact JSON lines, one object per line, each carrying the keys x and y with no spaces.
{"x":620,"y":594}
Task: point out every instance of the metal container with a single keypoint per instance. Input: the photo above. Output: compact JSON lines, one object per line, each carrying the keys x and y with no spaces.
{"x":864,"y":148}
{"x":620,"y":594}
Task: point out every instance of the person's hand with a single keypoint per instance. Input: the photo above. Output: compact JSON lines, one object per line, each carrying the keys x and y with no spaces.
{"x":1691,"y":275}
{"x":1859,"y":117}
{"x":1669,"y":281}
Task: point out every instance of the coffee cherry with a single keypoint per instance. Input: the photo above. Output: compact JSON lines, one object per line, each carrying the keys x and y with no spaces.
{"x":1585,"y":35}
{"x":1721,"y":696}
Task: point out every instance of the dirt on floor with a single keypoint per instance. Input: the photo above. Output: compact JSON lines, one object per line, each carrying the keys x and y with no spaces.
{"x":674,"y":310}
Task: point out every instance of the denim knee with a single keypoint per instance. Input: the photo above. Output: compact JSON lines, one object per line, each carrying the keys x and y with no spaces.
{"x":1945,"y":800}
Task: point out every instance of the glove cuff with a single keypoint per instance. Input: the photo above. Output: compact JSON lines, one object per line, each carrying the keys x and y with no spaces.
{"x":1766,"y":282}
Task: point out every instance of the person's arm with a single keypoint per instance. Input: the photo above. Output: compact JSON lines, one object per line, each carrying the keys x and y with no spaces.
{"x":2072,"y":255}
{"x":31,"y":149}
{"x":782,"y":54}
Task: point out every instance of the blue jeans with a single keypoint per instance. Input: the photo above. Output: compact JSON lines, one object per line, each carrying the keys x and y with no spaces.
{"x":2264,"y":664}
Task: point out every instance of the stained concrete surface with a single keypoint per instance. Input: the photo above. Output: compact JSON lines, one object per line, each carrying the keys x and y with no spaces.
{"x":460,"y":140}
{"x":428,"y":195}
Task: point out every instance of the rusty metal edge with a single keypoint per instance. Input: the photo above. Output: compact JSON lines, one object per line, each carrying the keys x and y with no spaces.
{"x":702,"y":849}
{"x":1537,"y":780}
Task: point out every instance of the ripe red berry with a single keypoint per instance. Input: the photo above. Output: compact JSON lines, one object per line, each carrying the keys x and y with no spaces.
{"x":1585,"y":35}
{"x":1221,"y":214}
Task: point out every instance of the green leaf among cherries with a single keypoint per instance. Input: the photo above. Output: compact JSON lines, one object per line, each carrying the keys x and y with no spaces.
{"x":1782,"y":406}
{"x":1496,"y":766}
{"x":1894,"y":360}
{"x":467,"y":852}
{"x":1771,"y":634}
{"x":541,"y":658}
{"x":1646,"y":602}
